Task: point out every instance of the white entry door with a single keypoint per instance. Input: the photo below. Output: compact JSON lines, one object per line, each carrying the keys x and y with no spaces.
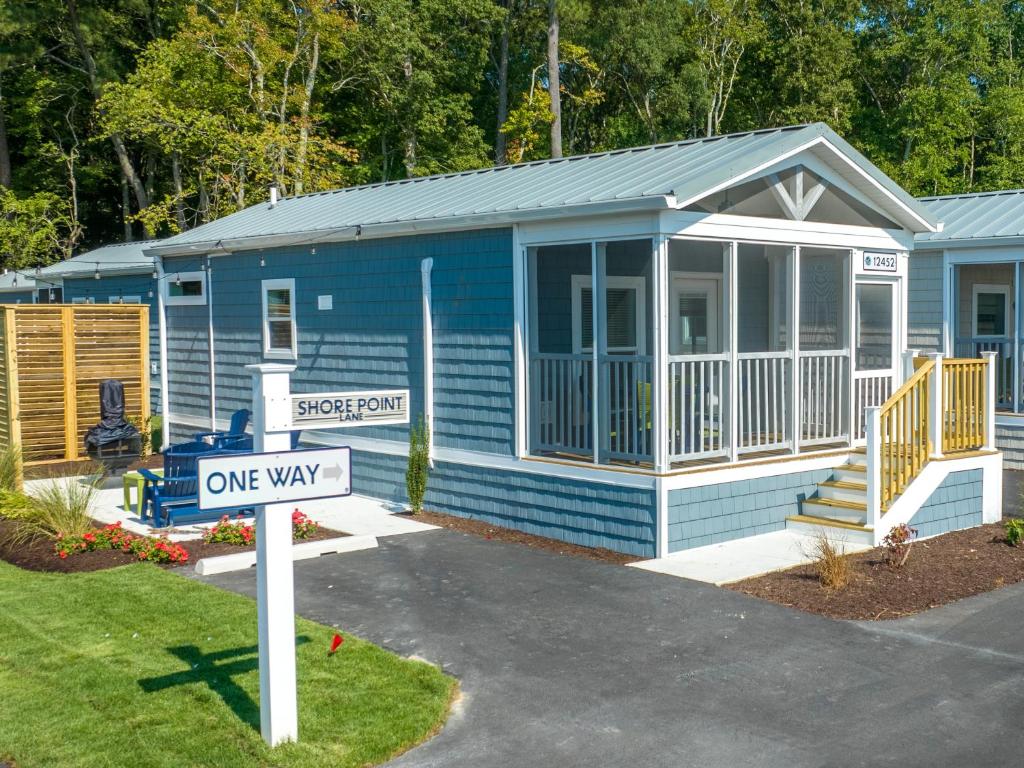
{"x":876,"y":346}
{"x":694,"y":314}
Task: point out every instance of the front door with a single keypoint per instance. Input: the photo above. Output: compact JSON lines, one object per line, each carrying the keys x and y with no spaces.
{"x":876,"y":358}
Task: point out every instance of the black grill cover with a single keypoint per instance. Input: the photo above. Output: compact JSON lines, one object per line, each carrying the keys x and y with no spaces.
{"x":112,"y":426}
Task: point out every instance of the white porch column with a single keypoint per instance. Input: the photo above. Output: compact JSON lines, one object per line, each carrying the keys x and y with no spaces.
{"x":873,"y":475}
{"x":935,"y":405}
{"x":161,"y":308}
{"x":732,"y":264}
{"x":990,"y":400}
{"x":275,"y":599}
{"x":428,"y":354}
{"x":795,"y":404}
{"x":908,"y":362}
{"x":598,"y":343}
{"x":661,"y":380}
{"x":1015,"y":352}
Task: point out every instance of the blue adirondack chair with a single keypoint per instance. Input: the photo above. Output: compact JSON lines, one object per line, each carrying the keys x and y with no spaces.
{"x":176,"y":492}
{"x":243,"y":443}
{"x":239,"y":421}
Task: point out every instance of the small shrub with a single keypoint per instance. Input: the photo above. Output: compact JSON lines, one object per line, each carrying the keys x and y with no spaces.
{"x":61,"y":509}
{"x":14,"y":505}
{"x":302,"y":526}
{"x":1014,"y":531}
{"x":830,"y":563}
{"x":228,"y":531}
{"x":419,"y":465}
{"x":897,"y":544}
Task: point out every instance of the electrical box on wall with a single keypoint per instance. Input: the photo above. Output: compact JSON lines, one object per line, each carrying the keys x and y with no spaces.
{"x":154,"y":369}
{"x":325,"y":302}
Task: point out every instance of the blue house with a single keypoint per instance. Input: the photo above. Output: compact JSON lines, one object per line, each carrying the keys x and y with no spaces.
{"x":17,"y":287}
{"x":647,"y":350}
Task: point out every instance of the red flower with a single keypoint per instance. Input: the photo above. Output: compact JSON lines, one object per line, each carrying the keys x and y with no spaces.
{"x":63,"y":555}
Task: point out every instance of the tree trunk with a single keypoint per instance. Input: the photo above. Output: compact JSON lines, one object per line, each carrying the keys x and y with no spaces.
{"x":179,"y":191}
{"x":5,"y":151}
{"x":500,"y":140}
{"x":410,"y":131}
{"x":307,"y":101}
{"x":554,"y":86}
{"x":126,"y":206}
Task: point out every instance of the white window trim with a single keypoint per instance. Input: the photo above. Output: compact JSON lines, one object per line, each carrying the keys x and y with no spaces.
{"x":125,"y":300}
{"x":185,"y":277}
{"x":579,"y":282}
{"x":1007,"y":292}
{"x":276,"y":285}
{"x":676,"y":280}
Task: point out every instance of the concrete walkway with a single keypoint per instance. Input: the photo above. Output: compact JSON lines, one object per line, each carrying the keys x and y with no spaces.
{"x":568,"y":662}
{"x":739,"y":559}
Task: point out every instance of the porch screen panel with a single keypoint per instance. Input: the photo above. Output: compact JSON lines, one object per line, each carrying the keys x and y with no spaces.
{"x":874,"y":326}
{"x":561,"y":356}
{"x":984,"y":320}
{"x":764,"y":338}
{"x":824,"y":360}
{"x":698,"y":365}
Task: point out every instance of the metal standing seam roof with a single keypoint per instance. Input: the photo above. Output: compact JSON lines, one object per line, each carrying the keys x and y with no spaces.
{"x":976,"y":216}
{"x":655,"y":176}
{"x":9,"y":277}
{"x":115,"y":258}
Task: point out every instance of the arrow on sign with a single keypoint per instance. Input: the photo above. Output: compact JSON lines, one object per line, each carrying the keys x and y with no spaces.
{"x":333,"y":473}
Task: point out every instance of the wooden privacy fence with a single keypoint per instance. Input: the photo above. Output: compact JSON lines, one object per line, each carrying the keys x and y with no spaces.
{"x":53,"y":358}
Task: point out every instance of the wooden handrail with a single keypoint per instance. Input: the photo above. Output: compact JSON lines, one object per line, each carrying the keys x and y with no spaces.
{"x":964,"y":404}
{"x":904,"y":438}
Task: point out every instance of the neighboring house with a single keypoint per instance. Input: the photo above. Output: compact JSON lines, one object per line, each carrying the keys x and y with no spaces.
{"x":120,"y":273}
{"x":17,"y":287}
{"x":965,"y":295}
{"x":648,"y":350}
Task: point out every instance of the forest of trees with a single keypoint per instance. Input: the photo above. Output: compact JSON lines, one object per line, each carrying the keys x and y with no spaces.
{"x":127,"y":119}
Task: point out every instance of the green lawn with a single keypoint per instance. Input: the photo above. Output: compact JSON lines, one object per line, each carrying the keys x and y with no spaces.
{"x":137,"y":666}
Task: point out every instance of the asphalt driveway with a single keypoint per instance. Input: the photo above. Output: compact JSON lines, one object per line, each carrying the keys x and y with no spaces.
{"x":567,"y":662}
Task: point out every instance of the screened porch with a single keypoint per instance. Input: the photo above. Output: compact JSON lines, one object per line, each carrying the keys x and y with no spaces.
{"x":670,"y":352}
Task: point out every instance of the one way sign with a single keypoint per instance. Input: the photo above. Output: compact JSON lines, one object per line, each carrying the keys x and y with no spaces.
{"x":255,"y":479}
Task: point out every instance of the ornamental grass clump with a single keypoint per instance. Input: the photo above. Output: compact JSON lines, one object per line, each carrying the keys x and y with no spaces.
{"x":830,"y":563}
{"x":63,"y":508}
{"x":419,"y":465}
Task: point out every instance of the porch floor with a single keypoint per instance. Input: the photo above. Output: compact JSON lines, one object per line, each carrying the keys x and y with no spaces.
{"x":739,"y":559}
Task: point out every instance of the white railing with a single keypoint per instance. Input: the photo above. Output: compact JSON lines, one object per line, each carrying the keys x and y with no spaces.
{"x":562,"y":387}
{"x":870,"y":390}
{"x":698,"y":389}
{"x":824,"y":388}
{"x":627,"y":388}
{"x":762,"y":387}
{"x":1004,"y":361}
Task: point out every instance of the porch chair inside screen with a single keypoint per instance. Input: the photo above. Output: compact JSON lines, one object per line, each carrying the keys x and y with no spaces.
{"x":177,"y":490}
{"x":236,"y":430}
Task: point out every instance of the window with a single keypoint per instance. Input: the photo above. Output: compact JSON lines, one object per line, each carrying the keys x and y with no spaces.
{"x":184,"y":288}
{"x":125,"y":299}
{"x":54,"y":295}
{"x":694,"y":327}
{"x":279,"y":319}
{"x":624,"y":313}
{"x":991,"y":314}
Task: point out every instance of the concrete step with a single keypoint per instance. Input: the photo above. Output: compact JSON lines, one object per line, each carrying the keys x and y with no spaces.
{"x":844,"y":490}
{"x":853,"y":512}
{"x":853,"y":536}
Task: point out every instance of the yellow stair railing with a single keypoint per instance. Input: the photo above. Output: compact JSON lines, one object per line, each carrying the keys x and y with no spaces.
{"x":904,"y":435}
{"x":964,"y":406}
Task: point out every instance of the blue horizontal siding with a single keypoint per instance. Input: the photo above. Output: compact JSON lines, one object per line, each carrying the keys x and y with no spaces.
{"x":709,"y":514}
{"x":955,"y":504}
{"x":373,"y":335}
{"x":125,"y":285}
{"x":18,"y":297}
{"x":578,"y":512}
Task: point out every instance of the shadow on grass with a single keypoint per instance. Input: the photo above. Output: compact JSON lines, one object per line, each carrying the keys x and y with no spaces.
{"x":218,"y":671}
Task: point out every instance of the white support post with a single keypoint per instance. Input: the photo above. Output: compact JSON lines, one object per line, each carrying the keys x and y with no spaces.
{"x":908,"y":362}
{"x":661,"y":379}
{"x":161,"y":308}
{"x":731,"y":256}
{"x":935,"y":404}
{"x":428,"y":355}
{"x":873,"y":430}
{"x":519,"y":343}
{"x":990,"y":399}
{"x":795,"y":406}
{"x":597,"y":295}
{"x":1015,"y":356}
{"x":275,"y":597}
{"x":210,"y":345}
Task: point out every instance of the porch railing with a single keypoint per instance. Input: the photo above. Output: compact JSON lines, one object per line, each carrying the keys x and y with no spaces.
{"x":563,"y":387}
{"x":903,"y":439}
{"x":964,"y":404}
{"x":698,"y":389}
{"x":870,"y":390}
{"x":762,"y":412}
{"x":627,"y":383}
{"x":824,"y":388}
{"x":964,"y":347}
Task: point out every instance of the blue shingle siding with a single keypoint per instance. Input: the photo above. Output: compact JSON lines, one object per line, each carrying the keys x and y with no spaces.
{"x":578,"y":512}
{"x":125,"y":285}
{"x":709,"y":514}
{"x":18,"y":297}
{"x":955,"y":504}
{"x":373,"y":335}
{"x":924,"y":305}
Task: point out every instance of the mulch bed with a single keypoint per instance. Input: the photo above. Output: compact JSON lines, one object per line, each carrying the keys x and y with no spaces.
{"x":939,"y":571}
{"x":85,"y":467}
{"x":490,"y":532}
{"x":38,"y":555}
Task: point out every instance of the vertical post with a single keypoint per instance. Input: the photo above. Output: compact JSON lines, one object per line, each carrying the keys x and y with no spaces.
{"x":209,"y":344}
{"x":1015,"y":356}
{"x":144,"y":362}
{"x":659,"y":411}
{"x":520,"y":329}
{"x":533,"y":403}
{"x":161,"y":307}
{"x":935,"y":402}
{"x":850,"y":296}
{"x":795,"y":404}
{"x":275,"y":597}
{"x":989,"y":403}
{"x":597,"y":302}
{"x":873,"y":474}
{"x":11,"y":372}
{"x":428,"y":354}
{"x":67,"y":318}
{"x":908,"y":363}
{"x":732,"y":257}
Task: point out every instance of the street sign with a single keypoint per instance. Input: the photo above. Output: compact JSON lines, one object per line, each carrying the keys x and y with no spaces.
{"x":254,"y":479}
{"x":325,"y":410}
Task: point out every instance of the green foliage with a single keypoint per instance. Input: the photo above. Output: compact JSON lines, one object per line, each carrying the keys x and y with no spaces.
{"x":145,"y":427}
{"x":11,"y":466}
{"x":1014,"y":528}
{"x":419,"y":464}
{"x":62,"y":508}
{"x":34,"y":229}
